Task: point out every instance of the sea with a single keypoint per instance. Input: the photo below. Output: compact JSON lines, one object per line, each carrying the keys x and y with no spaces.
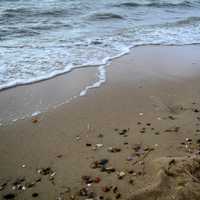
{"x":40,"y":39}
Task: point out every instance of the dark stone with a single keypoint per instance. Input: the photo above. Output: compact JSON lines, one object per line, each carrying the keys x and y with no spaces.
{"x":9,"y":196}
{"x":103,"y":162}
{"x":118,"y":196}
{"x":46,"y":171}
{"x":35,"y":194}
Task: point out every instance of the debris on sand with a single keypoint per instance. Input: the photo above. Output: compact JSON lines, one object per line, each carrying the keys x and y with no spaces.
{"x":177,"y":177}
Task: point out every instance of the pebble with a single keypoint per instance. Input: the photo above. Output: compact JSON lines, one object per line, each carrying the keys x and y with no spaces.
{"x":196,"y":110}
{"x":118,"y":196}
{"x":114,"y":149}
{"x":83,"y":192}
{"x":105,"y":189}
{"x":99,"y":145}
{"x":78,"y":138}
{"x":9,"y":196}
{"x":100,"y":135}
{"x":3,"y":185}
{"x":34,"y":120}
{"x":188,"y":140}
{"x":129,"y":158}
{"x":97,"y":179}
{"x":121,"y":174}
{"x":45,"y":171}
{"x":35,"y":194}
{"x":87,"y":179}
{"x":171,"y":117}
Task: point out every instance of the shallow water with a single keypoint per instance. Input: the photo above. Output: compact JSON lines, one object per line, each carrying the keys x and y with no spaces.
{"x":40,"y":39}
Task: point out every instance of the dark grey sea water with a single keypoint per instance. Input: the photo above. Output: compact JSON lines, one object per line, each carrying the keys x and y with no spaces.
{"x":43,"y":38}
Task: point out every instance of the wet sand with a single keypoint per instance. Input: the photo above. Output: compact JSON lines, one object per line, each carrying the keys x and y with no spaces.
{"x":135,"y":137}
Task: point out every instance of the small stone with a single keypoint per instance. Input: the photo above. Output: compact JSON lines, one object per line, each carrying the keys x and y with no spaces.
{"x":198,"y":141}
{"x":38,"y":180}
{"x":118,"y":196}
{"x":14,"y":187}
{"x":97,"y":179}
{"x":30,"y":185}
{"x":72,"y":197}
{"x":34,"y":120}
{"x":110,"y":170}
{"x":59,"y":156}
{"x":9,"y":196}
{"x":188,"y":140}
{"x":99,"y":145}
{"x":23,"y":166}
{"x":196,"y":110}
{"x":105,"y":189}
{"x":114,"y":149}
{"x":44,"y":171}
{"x":129,"y":158}
{"x":171,"y":117}
{"x":130,"y":171}
{"x":131,"y":181}
{"x":78,"y":138}
{"x":100,"y":135}
{"x":141,"y":114}
{"x":83,"y":192}
{"x":35,"y":194}
{"x":87,"y":179}
{"x":103,"y":161}
{"x":121,"y":174}
{"x":18,"y":181}
{"x":23,"y":187}
{"x":3,"y":185}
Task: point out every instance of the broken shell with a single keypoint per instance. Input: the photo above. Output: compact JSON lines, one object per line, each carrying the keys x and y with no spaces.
{"x":99,"y":145}
{"x":121,"y":174}
{"x":53,"y":174}
{"x":23,"y":187}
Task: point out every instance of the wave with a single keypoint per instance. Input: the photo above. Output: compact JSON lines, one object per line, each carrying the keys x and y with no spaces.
{"x":24,"y":13}
{"x":184,"y":22}
{"x":105,"y":16}
{"x":158,"y":4}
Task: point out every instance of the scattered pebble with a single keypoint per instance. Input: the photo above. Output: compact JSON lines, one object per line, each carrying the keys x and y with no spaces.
{"x":121,"y":175}
{"x":9,"y":196}
{"x":35,"y":194}
{"x":34,"y":120}
{"x":114,"y":149}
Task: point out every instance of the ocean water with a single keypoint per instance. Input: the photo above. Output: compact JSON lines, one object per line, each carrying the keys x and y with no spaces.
{"x":40,"y":39}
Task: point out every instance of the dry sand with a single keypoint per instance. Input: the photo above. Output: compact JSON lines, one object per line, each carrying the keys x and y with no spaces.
{"x":137,"y":137}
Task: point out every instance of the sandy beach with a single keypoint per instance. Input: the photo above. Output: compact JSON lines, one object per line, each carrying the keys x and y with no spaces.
{"x":136,"y":137}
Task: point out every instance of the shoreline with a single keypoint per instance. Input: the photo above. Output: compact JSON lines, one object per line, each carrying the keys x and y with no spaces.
{"x":144,"y":118}
{"x":87,"y":85}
